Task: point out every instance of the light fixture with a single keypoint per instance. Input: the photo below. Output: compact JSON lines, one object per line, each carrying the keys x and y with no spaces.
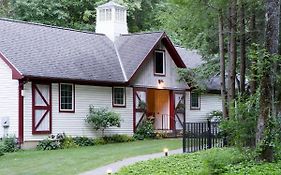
{"x":166,"y":151}
{"x":108,"y":171}
{"x":160,"y":83}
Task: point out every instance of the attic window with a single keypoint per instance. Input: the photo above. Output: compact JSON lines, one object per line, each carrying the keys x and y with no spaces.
{"x":159,"y":63}
{"x":105,"y":15}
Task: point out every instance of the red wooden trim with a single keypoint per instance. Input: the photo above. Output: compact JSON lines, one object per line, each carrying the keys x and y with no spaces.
{"x":21,"y":113}
{"x":15,"y":73}
{"x":67,"y":111}
{"x":43,"y":117}
{"x":43,"y":98}
{"x":172,"y":110}
{"x":119,"y":106}
{"x":135,"y":110}
{"x":48,"y":108}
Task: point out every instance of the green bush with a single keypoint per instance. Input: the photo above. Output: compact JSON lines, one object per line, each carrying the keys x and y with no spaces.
{"x":118,"y":138}
{"x":1,"y":148}
{"x":145,"y":130}
{"x":83,"y":141}
{"x":68,"y":142}
{"x":102,"y":118}
{"x":48,"y":144}
{"x":9,"y":144}
{"x":99,"y":141}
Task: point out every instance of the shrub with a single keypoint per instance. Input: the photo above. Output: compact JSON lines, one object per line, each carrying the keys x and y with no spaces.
{"x":99,"y":141}
{"x":118,"y":138}
{"x":145,"y":131}
{"x":68,"y":142}
{"x":102,"y":118}
{"x":1,"y":149}
{"x":83,"y":141}
{"x":9,"y":144}
{"x":48,"y":144}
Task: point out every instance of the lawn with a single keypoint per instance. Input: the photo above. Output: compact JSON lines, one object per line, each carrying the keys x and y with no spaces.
{"x":226,"y":161}
{"x":75,"y":161}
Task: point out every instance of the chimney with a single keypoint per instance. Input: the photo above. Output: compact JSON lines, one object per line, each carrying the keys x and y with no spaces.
{"x":111,"y":20}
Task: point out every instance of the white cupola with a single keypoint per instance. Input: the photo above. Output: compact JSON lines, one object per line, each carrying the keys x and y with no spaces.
{"x":111,"y":20}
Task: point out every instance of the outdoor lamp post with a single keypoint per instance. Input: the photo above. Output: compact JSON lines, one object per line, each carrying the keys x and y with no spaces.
{"x":109,"y":172}
{"x":166,"y":151}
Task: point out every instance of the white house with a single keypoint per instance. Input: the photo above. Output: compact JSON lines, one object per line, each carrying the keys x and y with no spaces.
{"x":50,"y":75}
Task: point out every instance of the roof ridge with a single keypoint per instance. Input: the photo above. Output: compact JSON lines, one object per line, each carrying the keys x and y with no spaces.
{"x":142,"y":33}
{"x":50,"y":26}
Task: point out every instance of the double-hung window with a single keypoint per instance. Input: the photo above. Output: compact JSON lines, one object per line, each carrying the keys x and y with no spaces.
{"x":119,"y":97}
{"x":194,"y":100}
{"x":159,"y":63}
{"x":66,"y":97}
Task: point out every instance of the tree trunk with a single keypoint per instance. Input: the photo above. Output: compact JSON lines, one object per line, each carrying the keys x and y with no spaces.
{"x":233,"y":52}
{"x":222,"y":66}
{"x":271,"y":45}
{"x":242,"y":48}
{"x":253,"y":81}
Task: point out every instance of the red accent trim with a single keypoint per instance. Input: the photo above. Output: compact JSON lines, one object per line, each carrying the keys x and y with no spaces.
{"x":48,"y":109}
{"x":21,"y":102}
{"x":135,"y":89}
{"x":15,"y":73}
{"x":118,"y":106}
{"x":172,"y":110}
{"x":70,"y":111}
{"x":171,"y":49}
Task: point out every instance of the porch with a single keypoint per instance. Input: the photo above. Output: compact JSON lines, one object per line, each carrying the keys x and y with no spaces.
{"x":165,"y":108}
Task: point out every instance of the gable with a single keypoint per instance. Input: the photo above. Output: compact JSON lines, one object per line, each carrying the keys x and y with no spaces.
{"x":146,"y":77}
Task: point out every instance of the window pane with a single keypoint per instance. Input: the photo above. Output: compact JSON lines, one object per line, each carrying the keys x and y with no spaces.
{"x":159,"y":63}
{"x":66,"y":91}
{"x":118,"y":96}
{"x":194,"y":100}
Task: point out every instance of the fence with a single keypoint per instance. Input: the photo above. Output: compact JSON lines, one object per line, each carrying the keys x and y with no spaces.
{"x":200,"y":136}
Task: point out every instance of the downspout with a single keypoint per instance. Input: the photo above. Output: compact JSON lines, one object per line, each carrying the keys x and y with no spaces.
{"x":21,"y":108}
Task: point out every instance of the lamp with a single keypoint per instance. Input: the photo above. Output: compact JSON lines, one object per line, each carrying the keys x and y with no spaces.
{"x":108,"y":171}
{"x":160,"y":83}
{"x":166,"y":151}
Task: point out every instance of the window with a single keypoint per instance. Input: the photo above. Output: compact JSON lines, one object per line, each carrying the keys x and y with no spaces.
{"x":159,"y":63}
{"x":66,"y":97}
{"x":120,"y":14}
{"x":105,"y":14}
{"x":119,"y":97}
{"x":194,"y":100}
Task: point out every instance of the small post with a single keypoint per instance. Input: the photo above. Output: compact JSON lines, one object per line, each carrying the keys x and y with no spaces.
{"x":184,"y":138}
{"x":109,"y":172}
{"x":166,"y":151}
{"x":209,"y":140}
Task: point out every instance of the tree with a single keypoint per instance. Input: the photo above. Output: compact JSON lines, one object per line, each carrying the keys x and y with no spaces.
{"x":267,"y":97}
{"x":102,"y":118}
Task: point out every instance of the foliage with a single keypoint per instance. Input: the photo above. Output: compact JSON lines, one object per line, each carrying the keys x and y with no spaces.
{"x":83,"y":141}
{"x":142,"y":105}
{"x":48,"y":144}
{"x":145,"y":130}
{"x":8,"y":145}
{"x":118,"y":138}
{"x":68,"y":142}
{"x":240,"y":127}
{"x":215,"y":161}
{"x":102,"y":118}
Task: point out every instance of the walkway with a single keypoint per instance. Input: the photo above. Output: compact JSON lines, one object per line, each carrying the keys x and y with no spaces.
{"x":118,"y":165}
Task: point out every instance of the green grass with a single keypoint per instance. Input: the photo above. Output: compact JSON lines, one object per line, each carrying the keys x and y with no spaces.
{"x":227,"y":161}
{"x":75,"y":161}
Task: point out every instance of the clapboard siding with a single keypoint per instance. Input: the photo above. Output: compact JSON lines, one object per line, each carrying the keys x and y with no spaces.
{"x":8,"y":100}
{"x":74,"y":124}
{"x":146,"y":77}
{"x":209,"y":103}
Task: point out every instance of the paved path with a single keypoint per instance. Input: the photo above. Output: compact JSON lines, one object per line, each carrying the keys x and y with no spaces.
{"x":117,"y":165}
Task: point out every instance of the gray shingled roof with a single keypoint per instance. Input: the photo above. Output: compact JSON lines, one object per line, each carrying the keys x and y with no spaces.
{"x":193,"y":59}
{"x":37,"y":50}
{"x":133,"y":48}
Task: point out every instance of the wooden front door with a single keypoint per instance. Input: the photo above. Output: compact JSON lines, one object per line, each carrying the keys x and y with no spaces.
{"x":41,"y":109}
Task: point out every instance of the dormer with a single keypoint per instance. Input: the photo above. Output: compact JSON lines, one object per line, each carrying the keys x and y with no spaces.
{"x":111,"y":20}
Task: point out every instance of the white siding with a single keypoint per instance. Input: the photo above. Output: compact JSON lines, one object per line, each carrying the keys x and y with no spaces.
{"x":146,"y":77}
{"x":8,"y":100}
{"x":209,"y":103}
{"x":74,"y":124}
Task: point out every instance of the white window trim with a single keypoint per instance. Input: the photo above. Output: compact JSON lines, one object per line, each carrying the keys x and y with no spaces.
{"x":124,"y":97}
{"x":73,"y":98}
{"x":164,"y":63}
{"x":199,"y":102}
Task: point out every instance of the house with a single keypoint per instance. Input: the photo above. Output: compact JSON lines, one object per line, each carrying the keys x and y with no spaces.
{"x":50,"y":75}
